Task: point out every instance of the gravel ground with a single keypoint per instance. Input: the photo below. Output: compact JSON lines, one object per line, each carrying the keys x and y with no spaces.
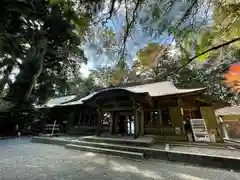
{"x":22,"y":160}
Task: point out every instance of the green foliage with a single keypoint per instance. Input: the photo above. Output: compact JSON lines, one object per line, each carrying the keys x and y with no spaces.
{"x":208,"y":74}
{"x":25,"y":22}
{"x":120,"y":74}
{"x":204,"y":42}
{"x":65,"y":23}
{"x":149,"y":54}
{"x":223,"y":27}
{"x":55,"y":2}
{"x":81,"y":86}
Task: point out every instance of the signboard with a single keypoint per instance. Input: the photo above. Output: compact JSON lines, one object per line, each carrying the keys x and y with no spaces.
{"x":199,"y":129}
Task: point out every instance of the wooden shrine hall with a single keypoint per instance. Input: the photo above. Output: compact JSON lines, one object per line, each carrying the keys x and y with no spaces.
{"x":156,"y":109}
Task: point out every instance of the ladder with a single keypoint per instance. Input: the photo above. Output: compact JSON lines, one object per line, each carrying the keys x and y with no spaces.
{"x":51,"y":129}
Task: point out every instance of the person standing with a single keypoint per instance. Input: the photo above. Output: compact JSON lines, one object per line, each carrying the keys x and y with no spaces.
{"x":17,"y":130}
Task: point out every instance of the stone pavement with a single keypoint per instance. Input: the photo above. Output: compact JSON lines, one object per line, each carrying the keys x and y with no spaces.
{"x":207,"y":151}
{"x":22,"y":160}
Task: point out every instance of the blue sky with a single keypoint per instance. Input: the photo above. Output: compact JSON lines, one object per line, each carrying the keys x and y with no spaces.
{"x":139,"y":40}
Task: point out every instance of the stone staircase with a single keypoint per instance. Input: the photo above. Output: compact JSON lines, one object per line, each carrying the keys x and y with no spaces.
{"x":131,"y":149}
{"x":128,"y":148}
{"x":141,"y":141}
{"x":107,"y":151}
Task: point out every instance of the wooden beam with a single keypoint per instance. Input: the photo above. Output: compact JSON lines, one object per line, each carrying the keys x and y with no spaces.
{"x":205,"y":101}
{"x":118,"y":109}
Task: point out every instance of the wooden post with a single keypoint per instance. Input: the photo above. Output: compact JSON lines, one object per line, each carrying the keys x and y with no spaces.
{"x":112,"y":123}
{"x":99,"y":122}
{"x":70,"y":119}
{"x":130,"y":125}
{"x":142,"y":121}
{"x":135,"y":124}
{"x":80,"y":117}
{"x":135,"y":118}
{"x":89,"y":118}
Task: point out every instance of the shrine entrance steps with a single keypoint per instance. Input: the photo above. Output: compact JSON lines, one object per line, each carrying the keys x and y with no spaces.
{"x":142,"y":148}
{"x":121,"y":140}
{"x":96,"y":148}
{"x":124,"y":147}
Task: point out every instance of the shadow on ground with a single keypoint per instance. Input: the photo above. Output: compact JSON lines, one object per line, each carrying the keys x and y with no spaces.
{"x":20,"y":159}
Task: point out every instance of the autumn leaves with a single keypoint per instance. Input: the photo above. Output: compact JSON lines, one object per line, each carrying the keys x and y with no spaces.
{"x":232,"y":77}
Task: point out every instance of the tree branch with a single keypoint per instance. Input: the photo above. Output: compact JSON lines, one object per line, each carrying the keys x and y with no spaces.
{"x":185,"y":15}
{"x":110,"y":12}
{"x":129,"y":26}
{"x":187,"y":12}
{"x":204,"y":52}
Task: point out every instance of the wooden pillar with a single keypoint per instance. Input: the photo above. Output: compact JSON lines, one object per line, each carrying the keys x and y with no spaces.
{"x":112,"y":123}
{"x":135,"y":118}
{"x":99,"y":124}
{"x":115,"y":121}
{"x":70,"y":119}
{"x":79,"y":117}
{"x":142,"y":121}
{"x":135,"y":122}
{"x":89,"y":118}
{"x":130,"y":125}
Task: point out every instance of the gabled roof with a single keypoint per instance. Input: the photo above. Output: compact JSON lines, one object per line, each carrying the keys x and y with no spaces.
{"x":57,"y":101}
{"x":79,"y":101}
{"x":156,"y":89}
{"x":161,"y":89}
{"x":233,"y":110}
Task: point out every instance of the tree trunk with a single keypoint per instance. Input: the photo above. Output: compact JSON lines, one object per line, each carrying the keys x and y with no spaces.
{"x":32,"y":66}
{"x":5,"y":78}
{"x":10,"y":64}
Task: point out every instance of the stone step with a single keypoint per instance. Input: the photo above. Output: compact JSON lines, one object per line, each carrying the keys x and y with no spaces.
{"x":48,"y":140}
{"x":125,"y":154}
{"x":195,"y":144}
{"x":110,"y":146}
{"x":142,"y":141}
{"x":232,"y":143}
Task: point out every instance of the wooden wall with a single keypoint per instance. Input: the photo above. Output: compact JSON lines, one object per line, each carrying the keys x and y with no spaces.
{"x":175,"y":116}
{"x":161,"y":129}
{"x":232,"y":123}
{"x":231,"y":118}
{"x":175,"y":104}
{"x":233,"y":129}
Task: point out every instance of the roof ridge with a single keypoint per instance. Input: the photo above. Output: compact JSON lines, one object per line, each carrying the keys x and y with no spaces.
{"x":124,"y":85}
